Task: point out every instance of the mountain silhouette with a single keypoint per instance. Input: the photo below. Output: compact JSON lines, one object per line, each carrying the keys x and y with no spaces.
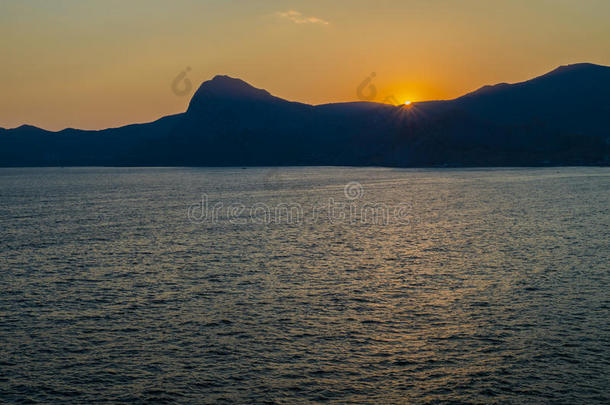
{"x":560,"y":118}
{"x":571,"y":97}
{"x":230,"y":89}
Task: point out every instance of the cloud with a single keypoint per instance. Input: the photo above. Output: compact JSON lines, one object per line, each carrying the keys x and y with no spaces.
{"x":299,"y":18}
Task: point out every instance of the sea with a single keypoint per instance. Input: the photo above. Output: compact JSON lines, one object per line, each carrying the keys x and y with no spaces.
{"x":300,"y":285}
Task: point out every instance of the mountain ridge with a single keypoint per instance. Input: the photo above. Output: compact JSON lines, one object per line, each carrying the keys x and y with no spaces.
{"x":557,"y":118}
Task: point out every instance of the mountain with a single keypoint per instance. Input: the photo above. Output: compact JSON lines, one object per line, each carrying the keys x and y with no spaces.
{"x":573,"y":97}
{"x":560,"y":118}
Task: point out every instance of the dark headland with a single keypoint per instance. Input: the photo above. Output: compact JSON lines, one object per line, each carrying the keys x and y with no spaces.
{"x":560,"y":118}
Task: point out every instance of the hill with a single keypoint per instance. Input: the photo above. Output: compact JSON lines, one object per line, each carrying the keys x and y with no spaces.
{"x":560,"y":118}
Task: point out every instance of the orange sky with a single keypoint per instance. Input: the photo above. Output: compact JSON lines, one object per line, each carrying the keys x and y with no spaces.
{"x":97,"y":64}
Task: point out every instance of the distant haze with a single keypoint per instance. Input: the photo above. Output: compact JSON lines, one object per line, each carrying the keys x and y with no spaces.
{"x":99,"y":64}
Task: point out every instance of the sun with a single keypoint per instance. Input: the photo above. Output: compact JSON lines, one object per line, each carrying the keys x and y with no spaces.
{"x":407,"y":103}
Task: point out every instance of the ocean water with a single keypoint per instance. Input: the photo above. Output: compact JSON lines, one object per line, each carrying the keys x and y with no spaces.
{"x":305,"y":285}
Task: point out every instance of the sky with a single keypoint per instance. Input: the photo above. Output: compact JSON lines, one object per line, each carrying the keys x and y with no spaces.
{"x":97,"y":64}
